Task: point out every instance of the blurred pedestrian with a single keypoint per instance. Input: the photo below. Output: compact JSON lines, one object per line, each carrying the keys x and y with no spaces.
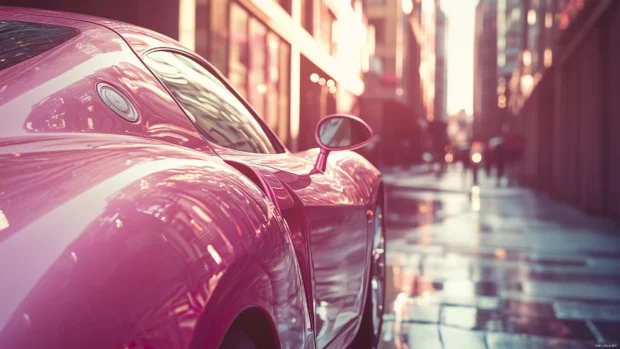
{"x":465,"y":158}
{"x":488,"y":160}
{"x":500,"y":161}
{"x":476,"y":159}
{"x":440,"y":143}
{"x":515,"y":145}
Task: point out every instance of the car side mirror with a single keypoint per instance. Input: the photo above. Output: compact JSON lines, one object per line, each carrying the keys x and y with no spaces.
{"x":339,"y":132}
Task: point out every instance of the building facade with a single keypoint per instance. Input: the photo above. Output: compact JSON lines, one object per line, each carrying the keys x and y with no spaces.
{"x":543,"y":22}
{"x":428,"y":21}
{"x":486,"y":123}
{"x":567,"y":106}
{"x":441,"y":66}
{"x":392,"y":102}
{"x":295,"y":61}
{"x":509,"y":39}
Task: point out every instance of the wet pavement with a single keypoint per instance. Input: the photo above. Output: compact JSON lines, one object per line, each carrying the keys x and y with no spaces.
{"x":487,"y":267}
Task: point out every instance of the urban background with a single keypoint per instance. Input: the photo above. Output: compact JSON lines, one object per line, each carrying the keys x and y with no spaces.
{"x":541,"y":70}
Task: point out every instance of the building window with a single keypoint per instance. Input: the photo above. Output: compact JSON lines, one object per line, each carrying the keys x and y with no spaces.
{"x":284,"y":91}
{"x":238,"y":63}
{"x":259,"y":68}
{"x":327,"y":25}
{"x":548,"y":20}
{"x":218,"y":43}
{"x":286,"y":5}
{"x":548,"y":57}
{"x":257,"y":84}
{"x":273,"y":79}
{"x":501,"y":59}
{"x":202,"y":29}
{"x":379,"y":26}
{"x":531,"y":17}
{"x":277,"y":83}
{"x":376,"y":64}
{"x":335,"y":37}
{"x":307,"y":15}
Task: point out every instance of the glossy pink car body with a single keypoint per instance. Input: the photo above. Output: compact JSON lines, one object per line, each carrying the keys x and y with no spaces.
{"x":143,"y":235}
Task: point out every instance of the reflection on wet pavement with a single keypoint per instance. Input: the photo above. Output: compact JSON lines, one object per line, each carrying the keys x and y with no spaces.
{"x":496,"y":268}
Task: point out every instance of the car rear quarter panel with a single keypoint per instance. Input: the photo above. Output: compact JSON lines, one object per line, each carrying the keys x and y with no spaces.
{"x":56,"y":91}
{"x":116,"y":242}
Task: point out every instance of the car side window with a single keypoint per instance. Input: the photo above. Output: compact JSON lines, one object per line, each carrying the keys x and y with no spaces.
{"x":20,"y":41}
{"x":217,"y":113}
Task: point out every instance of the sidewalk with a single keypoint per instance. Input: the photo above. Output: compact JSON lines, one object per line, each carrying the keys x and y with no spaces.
{"x":454,"y":180}
{"x":496,"y":268}
{"x":398,"y":173}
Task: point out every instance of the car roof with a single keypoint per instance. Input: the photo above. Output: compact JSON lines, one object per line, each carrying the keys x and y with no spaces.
{"x":138,"y":38}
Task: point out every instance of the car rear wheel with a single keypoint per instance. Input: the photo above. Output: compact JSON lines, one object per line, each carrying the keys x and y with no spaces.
{"x":370,"y":329}
{"x":237,"y":339}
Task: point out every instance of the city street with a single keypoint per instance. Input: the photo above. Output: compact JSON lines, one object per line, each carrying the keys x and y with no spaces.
{"x":496,"y":267}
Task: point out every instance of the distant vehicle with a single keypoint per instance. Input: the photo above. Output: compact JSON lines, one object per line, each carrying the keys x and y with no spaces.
{"x":144,"y":204}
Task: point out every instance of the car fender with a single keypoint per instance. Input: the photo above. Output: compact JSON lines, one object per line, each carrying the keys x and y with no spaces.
{"x":122,"y":241}
{"x":365,"y":178}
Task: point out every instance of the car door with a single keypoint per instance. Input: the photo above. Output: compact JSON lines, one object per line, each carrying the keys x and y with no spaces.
{"x":336,"y":238}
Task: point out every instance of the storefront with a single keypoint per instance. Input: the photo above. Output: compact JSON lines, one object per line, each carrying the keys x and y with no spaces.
{"x":292,"y":73}
{"x":317,"y":99}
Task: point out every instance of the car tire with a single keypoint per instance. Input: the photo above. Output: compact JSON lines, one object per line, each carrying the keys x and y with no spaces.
{"x":237,"y":339}
{"x":369,"y":334}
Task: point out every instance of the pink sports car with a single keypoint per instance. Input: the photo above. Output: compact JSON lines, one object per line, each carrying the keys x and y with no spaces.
{"x":144,"y":204}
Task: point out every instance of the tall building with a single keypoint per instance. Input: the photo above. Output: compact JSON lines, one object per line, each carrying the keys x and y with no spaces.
{"x":509,"y":44}
{"x":295,"y":61}
{"x":392,"y":101}
{"x":543,"y":22}
{"x":486,"y":123}
{"x":428,"y":55}
{"x":441,"y":65}
{"x":564,"y":101}
{"x":509,"y":32}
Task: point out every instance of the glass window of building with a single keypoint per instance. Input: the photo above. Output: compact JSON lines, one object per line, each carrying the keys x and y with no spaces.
{"x":286,"y":5}
{"x":218,"y":43}
{"x":307,"y":15}
{"x":273,"y":81}
{"x":284,"y":90}
{"x":201,"y":37}
{"x":218,"y":115}
{"x":238,"y":63}
{"x":334,"y":36}
{"x":327,"y":24}
{"x":379,"y":26}
{"x":257,"y":84}
{"x":377,"y":64}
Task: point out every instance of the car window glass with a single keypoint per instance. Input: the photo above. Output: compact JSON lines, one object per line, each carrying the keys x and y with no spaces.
{"x":216,"y":112}
{"x":20,"y":41}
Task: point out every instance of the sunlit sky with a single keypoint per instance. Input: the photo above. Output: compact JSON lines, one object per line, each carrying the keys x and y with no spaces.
{"x":461,"y":23}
